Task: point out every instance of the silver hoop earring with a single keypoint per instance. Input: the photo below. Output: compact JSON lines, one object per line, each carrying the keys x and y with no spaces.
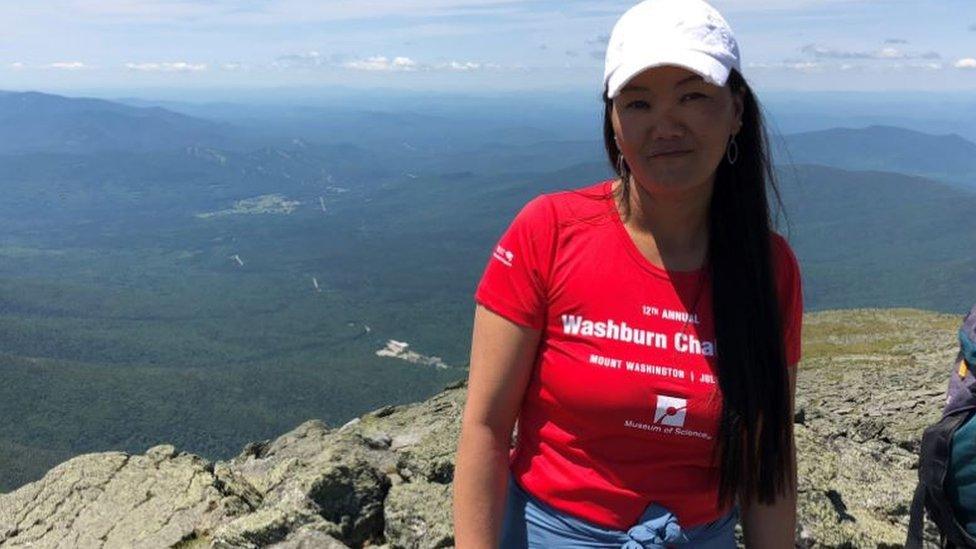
{"x":732,"y":151}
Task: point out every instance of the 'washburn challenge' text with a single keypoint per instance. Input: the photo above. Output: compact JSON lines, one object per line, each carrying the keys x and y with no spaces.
{"x":620,"y":331}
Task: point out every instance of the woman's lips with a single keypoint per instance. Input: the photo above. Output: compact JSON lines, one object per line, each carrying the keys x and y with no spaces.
{"x":669,"y":154}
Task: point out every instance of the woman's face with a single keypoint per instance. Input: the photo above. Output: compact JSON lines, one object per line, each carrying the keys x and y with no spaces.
{"x":668,"y":108}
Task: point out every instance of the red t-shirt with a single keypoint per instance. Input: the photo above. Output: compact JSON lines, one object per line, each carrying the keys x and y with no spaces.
{"x":623,"y":405}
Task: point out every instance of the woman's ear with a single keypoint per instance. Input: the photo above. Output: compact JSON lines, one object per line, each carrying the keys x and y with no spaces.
{"x":738,"y":107}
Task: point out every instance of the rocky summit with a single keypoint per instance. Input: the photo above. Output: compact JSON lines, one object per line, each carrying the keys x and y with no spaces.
{"x":869,"y":382}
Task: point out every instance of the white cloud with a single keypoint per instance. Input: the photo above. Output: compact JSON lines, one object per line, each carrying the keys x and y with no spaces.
{"x":891,"y":53}
{"x":824,"y":52}
{"x":926,"y":66}
{"x":406,"y":64}
{"x":17,"y":65}
{"x":802,"y":66}
{"x":179,"y":66}
{"x":455,"y":66}
{"x":808,"y":67}
{"x":966,"y":63}
{"x":67,"y":65}
{"x":888,"y":52}
{"x":233,"y":66}
{"x":312,"y":58}
{"x":381,"y":63}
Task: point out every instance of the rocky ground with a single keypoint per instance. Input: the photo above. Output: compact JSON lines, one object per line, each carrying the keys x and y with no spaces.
{"x":869,"y":382}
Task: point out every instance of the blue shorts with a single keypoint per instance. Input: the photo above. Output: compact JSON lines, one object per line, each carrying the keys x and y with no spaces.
{"x":530,"y":523}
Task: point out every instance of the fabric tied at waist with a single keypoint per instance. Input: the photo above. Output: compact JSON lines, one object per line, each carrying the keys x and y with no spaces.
{"x":656,"y":529}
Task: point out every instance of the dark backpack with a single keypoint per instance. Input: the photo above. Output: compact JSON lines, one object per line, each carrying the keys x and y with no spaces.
{"x":933,"y":469}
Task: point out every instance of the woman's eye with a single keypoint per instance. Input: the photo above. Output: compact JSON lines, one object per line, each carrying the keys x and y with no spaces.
{"x":640,"y":104}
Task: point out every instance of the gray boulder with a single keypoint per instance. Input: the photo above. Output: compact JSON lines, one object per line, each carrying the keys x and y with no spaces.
{"x":870,"y":381}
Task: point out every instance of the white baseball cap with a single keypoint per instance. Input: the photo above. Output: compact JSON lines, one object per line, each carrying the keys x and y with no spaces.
{"x":688,"y":33}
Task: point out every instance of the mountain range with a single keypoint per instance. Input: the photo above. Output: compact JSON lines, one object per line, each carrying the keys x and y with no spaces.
{"x":948,"y":158}
{"x":129,"y":315}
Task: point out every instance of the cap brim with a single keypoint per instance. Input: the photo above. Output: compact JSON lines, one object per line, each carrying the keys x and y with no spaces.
{"x":703,"y":64}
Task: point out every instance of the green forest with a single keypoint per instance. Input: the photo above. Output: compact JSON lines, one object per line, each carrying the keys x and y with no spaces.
{"x":129,"y":319}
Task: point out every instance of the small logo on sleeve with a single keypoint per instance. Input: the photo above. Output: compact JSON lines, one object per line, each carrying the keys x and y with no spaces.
{"x":670,"y":411}
{"x":503,"y":255}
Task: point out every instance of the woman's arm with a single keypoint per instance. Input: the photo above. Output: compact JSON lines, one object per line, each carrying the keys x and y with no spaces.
{"x":502,"y":356}
{"x":774,"y":526}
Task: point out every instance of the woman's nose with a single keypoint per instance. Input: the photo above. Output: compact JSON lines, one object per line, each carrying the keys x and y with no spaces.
{"x":666,"y":126}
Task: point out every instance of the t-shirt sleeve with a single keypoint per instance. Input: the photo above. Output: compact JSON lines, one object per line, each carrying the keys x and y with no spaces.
{"x":514,"y":282}
{"x":789,"y":286}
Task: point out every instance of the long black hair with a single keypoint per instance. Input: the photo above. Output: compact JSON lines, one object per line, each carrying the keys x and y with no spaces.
{"x":754,"y":449}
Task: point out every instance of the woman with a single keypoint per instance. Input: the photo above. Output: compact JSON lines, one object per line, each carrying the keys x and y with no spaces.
{"x":645,"y":329}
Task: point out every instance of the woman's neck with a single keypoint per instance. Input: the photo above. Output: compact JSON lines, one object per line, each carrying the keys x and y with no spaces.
{"x":672,"y":228}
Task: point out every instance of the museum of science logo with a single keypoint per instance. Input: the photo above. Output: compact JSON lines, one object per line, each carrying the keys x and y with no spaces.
{"x":670,"y":411}
{"x":669,"y":419}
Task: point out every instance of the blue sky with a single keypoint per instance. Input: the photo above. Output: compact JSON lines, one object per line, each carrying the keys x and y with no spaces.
{"x":462,"y":45}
